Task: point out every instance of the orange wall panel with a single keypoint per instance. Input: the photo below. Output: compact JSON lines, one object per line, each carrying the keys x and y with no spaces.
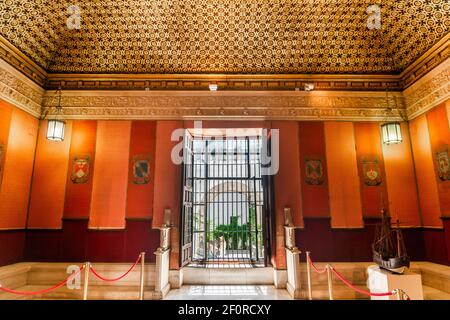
{"x":287,"y":183}
{"x":167,"y":189}
{"x":438,"y":126}
{"x":425,"y":172}
{"x":344,"y":188}
{"x":49,"y":180}
{"x":78,"y":195}
{"x":109,"y":187}
{"x":17,"y":169}
{"x":142,"y":144}
{"x":401,"y":181}
{"x":315,"y":198}
{"x":447,"y":105}
{"x":5,"y":121}
{"x":368,"y":148}
{"x":288,"y":179}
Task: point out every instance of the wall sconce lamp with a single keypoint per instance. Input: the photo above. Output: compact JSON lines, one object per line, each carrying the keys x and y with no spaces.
{"x":56,"y":127}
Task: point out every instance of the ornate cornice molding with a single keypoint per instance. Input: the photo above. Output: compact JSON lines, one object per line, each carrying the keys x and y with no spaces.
{"x":337,"y":97}
{"x":158,"y":105}
{"x":431,"y":90}
{"x":19,"y":90}
{"x":21,"y":62}
{"x":232,"y":82}
{"x":337,"y":82}
{"x":427,"y":62}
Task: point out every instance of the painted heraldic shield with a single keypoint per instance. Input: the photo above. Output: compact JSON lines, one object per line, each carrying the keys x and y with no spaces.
{"x":141,"y":169}
{"x":371,"y":173}
{"x":80,"y":169}
{"x":443,"y":165}
{"x":314,"y":171}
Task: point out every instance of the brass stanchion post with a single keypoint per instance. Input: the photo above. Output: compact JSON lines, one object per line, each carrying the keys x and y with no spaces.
{"x":330,"y":282}
{"x":308,"y":272}
{"x":141,"y":292}
{"x":87,"y":266}
{"x":399,"y":294}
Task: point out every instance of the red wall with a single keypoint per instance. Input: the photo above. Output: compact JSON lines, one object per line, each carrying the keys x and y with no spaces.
{"x":314,"y":197}
{"x":82,"y":145}
{"x":430,"y":134}
{"x":75,"y":242}
{"x":110,"y":177}
{"x":440,"y":140}
{"x":18,"y":133}
{"x":144,"y":205}
{"x":168,"y":185}
{"x":369,"y":148}
{"x":49,"y":180}
{"x":287,"y":182}
{"x":60,"y":210}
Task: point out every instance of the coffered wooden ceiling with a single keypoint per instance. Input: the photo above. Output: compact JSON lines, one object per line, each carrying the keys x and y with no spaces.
{"x":224,"y":36}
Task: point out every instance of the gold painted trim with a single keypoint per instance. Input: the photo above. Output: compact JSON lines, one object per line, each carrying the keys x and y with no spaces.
{"x":19,"y":90}
{"x":429,"y":91}
{"x":430,"y":59}
{"x":106,"y":229}
{"x":44,"y":228}
{"x":222,"y":105}
{"x":21,"y":62}
{"x":434,"y":227}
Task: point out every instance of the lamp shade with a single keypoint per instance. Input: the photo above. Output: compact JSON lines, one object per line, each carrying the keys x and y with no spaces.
{"x":392,"y":133}
{"x":55,"y":130}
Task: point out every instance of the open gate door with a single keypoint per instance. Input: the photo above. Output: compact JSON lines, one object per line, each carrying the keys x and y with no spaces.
{"x":186,"y":240}
{"x":269,"y":203}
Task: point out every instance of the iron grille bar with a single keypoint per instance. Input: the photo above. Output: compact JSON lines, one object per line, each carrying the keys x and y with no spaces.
{"x":227,"y":202}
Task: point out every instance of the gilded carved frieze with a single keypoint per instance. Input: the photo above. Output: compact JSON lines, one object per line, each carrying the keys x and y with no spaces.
{"x":429,"y":91}
{"x":17,"y":89}
{"x":242,"y":105}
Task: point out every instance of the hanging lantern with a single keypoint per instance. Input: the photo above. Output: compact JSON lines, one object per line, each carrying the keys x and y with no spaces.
{"x":55,"y":127}
{"x":55,"y":130}
{"x":392,"y":133}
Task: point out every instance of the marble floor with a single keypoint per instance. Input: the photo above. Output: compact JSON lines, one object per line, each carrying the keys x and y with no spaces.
{"x":228,"y":292}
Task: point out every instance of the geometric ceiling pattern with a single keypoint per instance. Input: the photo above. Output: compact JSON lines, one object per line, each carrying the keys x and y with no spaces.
{"x":224,"y":36}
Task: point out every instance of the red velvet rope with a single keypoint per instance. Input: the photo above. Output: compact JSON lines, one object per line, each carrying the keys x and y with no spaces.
{"x":315,"y":268}
{"x":383,"y":294}
{"x":118,"y":278}
{"x":29,"y":293}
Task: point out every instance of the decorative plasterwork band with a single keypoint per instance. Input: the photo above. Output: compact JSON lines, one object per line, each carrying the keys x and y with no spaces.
{"x":431,"y":90}
{"x":316,"y":105}
{"x":19,"y":90}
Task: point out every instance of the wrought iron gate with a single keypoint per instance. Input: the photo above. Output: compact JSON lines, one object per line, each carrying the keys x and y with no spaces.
{"x":224,"y":218}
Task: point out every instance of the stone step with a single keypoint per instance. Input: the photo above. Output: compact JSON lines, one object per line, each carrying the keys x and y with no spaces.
{"x":228,"y":276}
{"x":14,"y":277}
{"x":52,"y":273}
{"x":340,"y":292}
{"x":433,"y":275}
{"x":95,"y":293}
{"x":430,"y":293}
